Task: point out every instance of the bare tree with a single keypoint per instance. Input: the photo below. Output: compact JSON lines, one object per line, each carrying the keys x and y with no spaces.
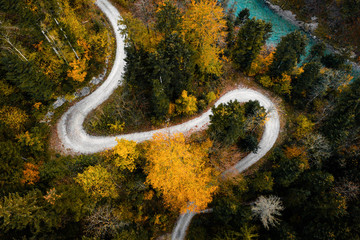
{"x":348,"y":189}
{"x":267,"y":208}
{"x":144,"y":9}
{"x":102,"y":222}
{"x":317,"y":147}
{"x":5,"y":36}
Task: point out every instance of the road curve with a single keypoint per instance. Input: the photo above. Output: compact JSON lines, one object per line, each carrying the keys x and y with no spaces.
{"x":73,"y":136}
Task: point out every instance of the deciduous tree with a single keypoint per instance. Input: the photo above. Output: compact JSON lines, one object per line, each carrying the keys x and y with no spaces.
{"x":97,"y":182}
{"x":124,"y":154}
{"x":203,"y":26}
{"x":186,"y":104}
{"x":267,"y":209}
{"x":30,"y":174}
{"x":178,"y":170}
{"x":13,"y":117}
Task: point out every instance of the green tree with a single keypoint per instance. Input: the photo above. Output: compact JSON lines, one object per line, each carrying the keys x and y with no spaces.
{"x":333,"y":60}
{"x":24,"y":75}
{"x":302,"y":84}
{"x":262,"y":182}
{"x":72,"y":202}
{"x":174,"y":65}
{"x":345,"y":118}
{"x":230,"y":122}
{"x":227,"y":122}
{"x":19,"y":212}
{"x":160,"y":100}
{"x":251,"y":37}
{"x":317,"y":51}
{"x":242,"y":16}
{"x":168,"y":18}
{"x":11,"y":165}
{"x":288,"y":53}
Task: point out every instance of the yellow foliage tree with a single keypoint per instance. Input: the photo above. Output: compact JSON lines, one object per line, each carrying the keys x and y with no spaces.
{"x":303,"y":126}
{"x":178,"y":169}
{"x":77,"y":71}
{"x":283,"y":84}
{"x":30,"y":140}
{"x":13,"y":117}
{"x":117,"y":126}
{"x":299,"y":153}
{"x":266,"y":81}
{"x":68,"y":18}
{"x":203,"y":27}
{"x":139,"y":34}
{"x":85,"y":48}
{"x":6,"y":89}
{"x":100,"y":44}
{"x":261,"y":63}
{"x":97,"y":182}
{"x":186,"y":104}
{"x":124,"y":155}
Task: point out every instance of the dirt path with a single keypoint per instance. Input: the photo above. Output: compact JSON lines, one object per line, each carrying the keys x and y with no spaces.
{"x":74,"y":138}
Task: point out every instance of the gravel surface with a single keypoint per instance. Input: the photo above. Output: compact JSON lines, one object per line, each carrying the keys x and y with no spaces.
{"x":73,"y":136}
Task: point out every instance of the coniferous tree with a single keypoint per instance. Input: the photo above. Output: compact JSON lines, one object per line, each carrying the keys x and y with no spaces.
{"x":303,"y":84}
{"x":288,"y":54}
{"x":251,"y":37}
{"x":242,"y":16}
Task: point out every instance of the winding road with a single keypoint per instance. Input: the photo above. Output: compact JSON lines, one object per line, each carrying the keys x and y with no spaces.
{"x":73,"y":136}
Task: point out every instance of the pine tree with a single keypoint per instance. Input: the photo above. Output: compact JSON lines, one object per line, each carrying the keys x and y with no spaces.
{"x":288,"y":54}
{"x":251,"y":37}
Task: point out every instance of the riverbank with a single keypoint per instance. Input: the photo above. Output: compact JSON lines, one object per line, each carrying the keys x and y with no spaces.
{"x":311,"y":25}
{"x":310,"y":29}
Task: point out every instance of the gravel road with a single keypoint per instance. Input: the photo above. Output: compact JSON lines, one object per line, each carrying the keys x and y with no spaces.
{"x":73,"y":136}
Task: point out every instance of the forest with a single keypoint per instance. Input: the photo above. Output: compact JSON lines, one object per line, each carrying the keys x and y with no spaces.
{"x":181,"y":57}
{"x":338,"y":21}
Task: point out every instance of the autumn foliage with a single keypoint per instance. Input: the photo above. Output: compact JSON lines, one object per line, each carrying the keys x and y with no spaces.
{"x":203,"y":26}
{"x":178,"y":170}
{"x":30,"y":174}
{"x":261,"y":63}
{"x":97,"y":182}
{"x":124,"y":154}
{"x":13,"y":117}
{"x":186,"y":104}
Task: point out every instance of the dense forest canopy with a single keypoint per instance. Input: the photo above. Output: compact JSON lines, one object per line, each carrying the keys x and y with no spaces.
{"x":180,"y":57}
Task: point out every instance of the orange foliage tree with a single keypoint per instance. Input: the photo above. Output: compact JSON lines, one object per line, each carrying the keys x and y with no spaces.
{"x":178,"y":169}
{"x":292,"y":152}
{"x":261,"y":63}
{"x":77,"y":72}
{"x":31,"y":174}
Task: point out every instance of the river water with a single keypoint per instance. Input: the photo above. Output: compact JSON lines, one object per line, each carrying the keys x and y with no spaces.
{"x":260,"y":10}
